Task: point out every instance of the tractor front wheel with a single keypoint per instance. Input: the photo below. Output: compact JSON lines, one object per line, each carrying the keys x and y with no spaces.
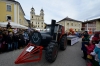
{"x":51,"y":52}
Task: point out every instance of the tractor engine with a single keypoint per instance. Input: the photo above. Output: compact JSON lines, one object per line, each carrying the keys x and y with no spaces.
{"x":43,"y":38}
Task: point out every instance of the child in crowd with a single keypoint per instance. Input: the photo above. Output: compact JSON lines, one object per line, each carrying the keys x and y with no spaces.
{"x":90,"y":47}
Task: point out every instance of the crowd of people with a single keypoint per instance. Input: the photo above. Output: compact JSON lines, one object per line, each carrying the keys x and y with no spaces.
{"x":12,"y":39}
{"x":91,"y":48}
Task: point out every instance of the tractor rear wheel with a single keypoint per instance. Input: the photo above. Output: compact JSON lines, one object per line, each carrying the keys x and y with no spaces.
{"x":63,"y":42}
{"x":51,"y":52}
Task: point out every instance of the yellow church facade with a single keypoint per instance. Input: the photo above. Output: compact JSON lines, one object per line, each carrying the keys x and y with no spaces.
{"x":37,"y":20}
{"x":12,"y":10}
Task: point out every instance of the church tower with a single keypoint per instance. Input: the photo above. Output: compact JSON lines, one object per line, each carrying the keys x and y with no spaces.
{"x":42,"y":14}
{"x":37,"y":21}
{"x":32,"y":13}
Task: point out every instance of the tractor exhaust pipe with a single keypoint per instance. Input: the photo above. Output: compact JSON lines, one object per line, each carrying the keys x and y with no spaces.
{"x":53,"y":22}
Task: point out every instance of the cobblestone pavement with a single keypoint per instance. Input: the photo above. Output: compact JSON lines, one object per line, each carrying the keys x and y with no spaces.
{"x":70,"y":57}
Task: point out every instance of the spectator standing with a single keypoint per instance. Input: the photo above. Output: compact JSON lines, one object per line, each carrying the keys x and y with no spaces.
{"x":15,"y":41}
{"x":5,"y":40}
{"x":10,"y":41}
{"x":21,"y":40}
{"x":8,"y":26}
{"x":1,"y":41}
{"x":95,"y":38}
{"x":85,"y":41}
{"x":26,"y":37}
{"x":97,"y":51}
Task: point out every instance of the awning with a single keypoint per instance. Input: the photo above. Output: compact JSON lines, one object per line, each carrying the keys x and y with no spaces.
{"x":13,"y":24}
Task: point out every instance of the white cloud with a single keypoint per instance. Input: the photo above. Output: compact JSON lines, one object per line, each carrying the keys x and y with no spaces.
{"x":59,"y":9}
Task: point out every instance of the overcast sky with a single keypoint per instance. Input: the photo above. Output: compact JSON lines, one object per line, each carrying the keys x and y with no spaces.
{"x":59,"y":9}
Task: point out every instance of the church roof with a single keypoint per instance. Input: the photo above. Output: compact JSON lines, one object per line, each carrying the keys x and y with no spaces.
{"x":41,"y":9}
{"x":32,"y":8}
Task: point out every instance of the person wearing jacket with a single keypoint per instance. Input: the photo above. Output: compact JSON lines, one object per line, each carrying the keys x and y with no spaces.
{"x":10,"y":41}
{"x":95,"y":39}
{"x":85,"y":41}
{"x":97,"y":51}
{"x":90,"y":49}
{"x":15,"y":41}
{"x":26,"y":37}
{"x":21,"y":40}
{"x":1,"y":41}
{"x":5,"y":41}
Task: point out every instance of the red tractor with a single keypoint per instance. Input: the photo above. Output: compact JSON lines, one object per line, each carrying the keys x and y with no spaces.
{"x":50,"y":40}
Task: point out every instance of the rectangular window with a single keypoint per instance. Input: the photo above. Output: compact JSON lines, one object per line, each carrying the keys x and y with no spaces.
{"x":8,"y":7}
{"x":42,"y":23}
{"x":71,"y":24}
{"x":67,"y":23}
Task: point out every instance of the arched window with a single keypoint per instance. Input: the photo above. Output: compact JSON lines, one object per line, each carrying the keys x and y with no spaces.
{"x":42,"y":17}
{"x":32,"y":16}
{"x":8,"y":18}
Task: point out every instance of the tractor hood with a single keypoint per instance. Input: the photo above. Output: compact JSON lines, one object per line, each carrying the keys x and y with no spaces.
{"x":46,"y":38}
{"x":45,"y":35}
